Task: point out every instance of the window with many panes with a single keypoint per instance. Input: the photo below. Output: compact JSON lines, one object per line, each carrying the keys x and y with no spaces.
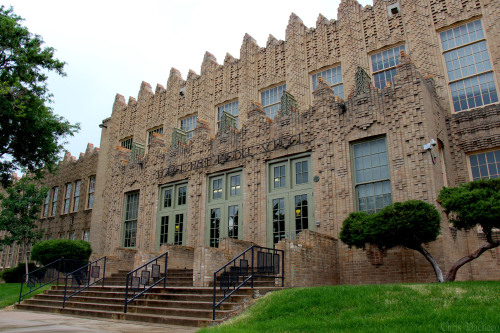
{"x":86,"y":235}
{"x":76,"y":195}
{"x":130,"y":219}
{"x":271,"y":100}
{"x":384,"y":66}
{"x":371,"y":175}
{"x":485,"y":165}
{"x":90,"y":199}
{"x":158,"y":130}
{"x":224,"y":207}
{"x":188,"y":125}
{"x":231,"y":108}
{"x":289,"y":198}
{"x":172,"y":214}
{"x":67,"y":198}
{"x":127,"y":143}
{"x":55,"y":192}
{"x":470,"y":73}
{"x":46,"y":204}
{"x":334,"y":78}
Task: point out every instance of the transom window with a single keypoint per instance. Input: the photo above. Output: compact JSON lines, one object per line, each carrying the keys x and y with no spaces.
{"x":172,"y":214}
{"x":158,"y":130}
{"x":334,"y":78}
{"x":384,"y":66}
{"x":271,"y":99}
{"x":231,"y":108}
{"x":127,"y":143}
{"x":67,"y":198}
{"x":224,"y":207}
{"x":470,"y":73}
{"x":130,"y":219}
{"x":485,"y":165}
{"x":371,"y":175}
{"x":188,"y":125}
{"x":76,"y":195}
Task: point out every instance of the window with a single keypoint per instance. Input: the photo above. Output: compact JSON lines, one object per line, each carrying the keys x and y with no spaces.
{"x":71,"y":235}
{"x":485,"y":165}
{"x":188,"y":125}
{"x":127,"y":143}
{"x":384,"y":66}
{"x":46,"y":205}
{"x":130,"y":223}
{"x":67,"y":198}
{"x":86,"y":234}
{"x":90,"y":202}
{"x":470,"y":73}
{"x":172,"y":213}
{"x":225,"y":201}
{"x":289,"y":198}
{"x":158,"y":130}
{"x":371,"y":175}
{"x":271,"y":99}
{"x":334,"y":78}
{"x":76,"y":195}
{"x":55,"y":190}
{"x":231,"y":108}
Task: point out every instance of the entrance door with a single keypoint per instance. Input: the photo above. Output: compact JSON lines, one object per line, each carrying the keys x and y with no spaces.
{"x":172,"y":214}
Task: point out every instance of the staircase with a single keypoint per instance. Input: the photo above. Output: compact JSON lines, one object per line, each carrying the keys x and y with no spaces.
{"x":178,"y":304}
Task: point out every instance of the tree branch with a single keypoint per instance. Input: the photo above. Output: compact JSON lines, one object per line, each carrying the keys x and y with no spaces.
{"x":452,"y":273}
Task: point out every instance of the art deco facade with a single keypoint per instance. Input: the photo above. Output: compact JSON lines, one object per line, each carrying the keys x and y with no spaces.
{"x":278,"y":146}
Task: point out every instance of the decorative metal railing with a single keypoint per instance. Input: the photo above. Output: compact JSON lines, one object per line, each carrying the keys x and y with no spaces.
{"x":84,"y":277}
{"x":256,"y":261}
{"x":50,"y":273}
{"x":148,"y":275}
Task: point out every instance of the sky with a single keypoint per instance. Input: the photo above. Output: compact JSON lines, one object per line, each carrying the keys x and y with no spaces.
{"x":112,"y":46}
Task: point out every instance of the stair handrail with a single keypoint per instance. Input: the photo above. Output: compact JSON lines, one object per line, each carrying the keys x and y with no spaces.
{"x":82,"y":277}
{"x":39,"y":275}
{"x":136,"y":281}
{"x":269,"y":264}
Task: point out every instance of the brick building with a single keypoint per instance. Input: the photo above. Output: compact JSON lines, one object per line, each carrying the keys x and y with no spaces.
{"x":210,"y":164}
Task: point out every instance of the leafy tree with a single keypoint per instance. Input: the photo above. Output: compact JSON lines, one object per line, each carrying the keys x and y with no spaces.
{"x":469,"y":205}
{"x":409,"y":224}
{"x":31,"y":132}
{"x":48,"y":251}
{"x":20,"y":208}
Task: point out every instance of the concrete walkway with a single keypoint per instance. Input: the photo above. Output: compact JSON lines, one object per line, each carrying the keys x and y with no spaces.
{"x":16,"y":321}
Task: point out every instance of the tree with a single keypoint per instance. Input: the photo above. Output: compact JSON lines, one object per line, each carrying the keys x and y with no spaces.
{"x":20,"y":208}
{"x":48,"y":251}
{"x":469,"y":205}
{"x":409,"y":224}
{"x":31,"y":132}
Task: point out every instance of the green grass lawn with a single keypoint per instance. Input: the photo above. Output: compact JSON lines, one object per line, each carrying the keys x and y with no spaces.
{"x":9,"y":293}
{"x":445,"y":307}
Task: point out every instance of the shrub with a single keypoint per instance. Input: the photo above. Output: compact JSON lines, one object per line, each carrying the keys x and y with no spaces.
{"x":48,"y":251}
{"x":15,"y":274}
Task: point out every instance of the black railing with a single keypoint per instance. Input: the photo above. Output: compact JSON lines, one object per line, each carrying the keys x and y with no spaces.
{"x":84,"y":277}
{"x":50,"y":273}
{"x":256,"y":261}
{"x":148,"y":275}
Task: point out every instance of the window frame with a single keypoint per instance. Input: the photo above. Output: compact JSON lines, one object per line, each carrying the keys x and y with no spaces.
{"x":127,"y":142}
{"x":91,"y":194}
{"x":478,"y":152}
{"x":266,"y":106}
{"x":190,"y":132}
{"x":68,"y":187}
{"x":76,"y":196}
{"x":218,"y":112}
{"x":53,"y":208}
{"x":333,"y":86}
{"x":132,"y":243}
{"x":157,"y":129}
{"x":46,"y":204}
{"x":390,"y":68}
{"x":171,"y":212}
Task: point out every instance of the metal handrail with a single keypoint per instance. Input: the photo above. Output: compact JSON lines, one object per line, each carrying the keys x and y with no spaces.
{"x":269,"y":264}
{"x":144,"y":278}
{"x":39,"y":275}
{"x":84,"y":274}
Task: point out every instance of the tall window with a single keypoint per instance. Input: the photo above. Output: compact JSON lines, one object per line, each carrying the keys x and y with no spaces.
{"x":158,"y":130}
{"x":130,"y":222}
{"x":289,"y":198}
{"x":172,"y":214}
{"x":86,"y":234}
{"x":46,"y":205}
{"x":470,"y":73}
{"x":55,"y":190}
{"x":224,"y":207}
{"x":271,"y":99}
{"x":76,"y":195}
{"x":127,"y":143}
{"x":371,"y":175}
{"x":188,"y":125}
{"x":67,"y":198}
{"x":90,"y":201}
{"x":334,"y":78}
{"x":231,"y":108}
{"x":384,"y":66}
{"x":485,"y":165}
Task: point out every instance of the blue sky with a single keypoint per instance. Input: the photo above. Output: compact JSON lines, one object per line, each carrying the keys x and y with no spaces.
{"x":112,"y":46}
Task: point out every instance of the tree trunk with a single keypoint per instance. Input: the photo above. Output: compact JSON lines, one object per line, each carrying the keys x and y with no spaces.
{"x":452,"y":273}
{"x":430,"y":258}
{"x":26,"y":261}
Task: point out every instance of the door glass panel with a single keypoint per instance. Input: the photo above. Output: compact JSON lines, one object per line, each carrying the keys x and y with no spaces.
{"x":301,"y":172}
{"x":214,"y":227}
{"x":301,"y":215}
{"x":179,"y":226}
{"x":235,"y":185}
{"x":233,"y":221}
{"x":278,"y":219}
{"x":217,"y":189}
{"x":167,"y":202}
{"x":181,"y":197}
{"x":164,"y":230}
{"x":279,"y":176}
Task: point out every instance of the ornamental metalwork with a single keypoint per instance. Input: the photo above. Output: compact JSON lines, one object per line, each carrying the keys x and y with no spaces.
{"x":178,"y":136}
{"x":227,"y":121}
{"x":363,"y":81}
{"x":288,"y":103}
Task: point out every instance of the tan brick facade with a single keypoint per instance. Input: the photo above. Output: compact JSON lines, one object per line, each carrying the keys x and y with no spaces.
{"x":322,"y":130}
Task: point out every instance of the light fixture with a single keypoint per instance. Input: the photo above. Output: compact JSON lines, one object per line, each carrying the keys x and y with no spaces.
{"x":429,"y":146}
